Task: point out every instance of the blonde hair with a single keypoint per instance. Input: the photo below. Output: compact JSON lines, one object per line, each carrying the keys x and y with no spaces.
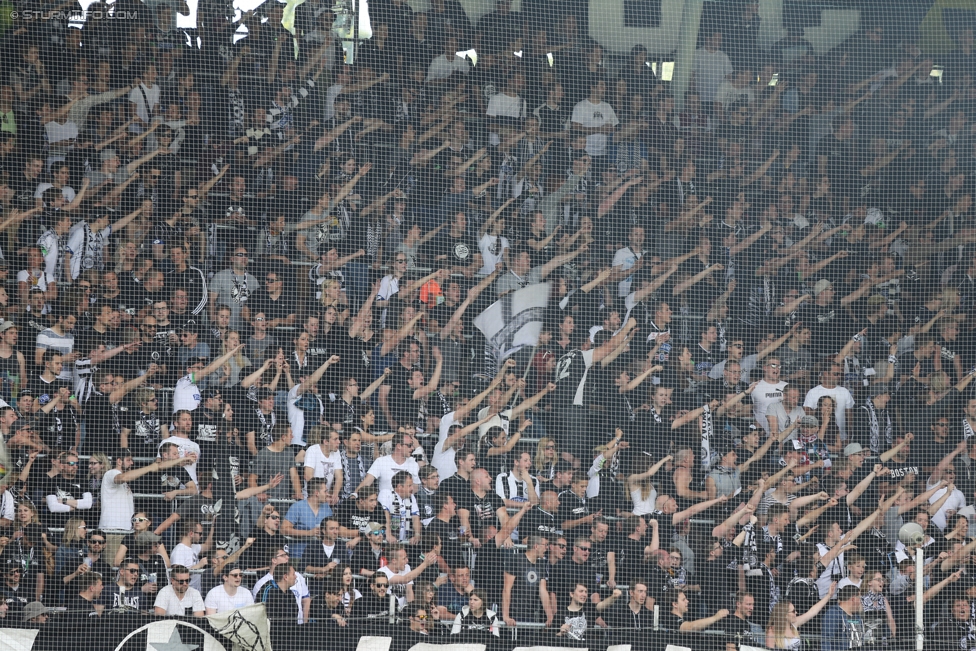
{"x":540,"y":453}
{"x":239,"y":356}
{"x":325,"y":286}
{"x":780,"y":626}
{"x":102,"y":459}
{"x":70,"y":527}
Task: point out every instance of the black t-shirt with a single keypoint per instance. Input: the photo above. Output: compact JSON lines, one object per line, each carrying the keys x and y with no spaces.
{"x":57,"y":428}
{"x":350,"y":516}
{"x":571,"y":507}
{"x":670,"y":622}
{"x":457,"y":487}
{"x":538,"y":523}
{"x":145,"y":434}
{"x":102,"y":426}
{"x":459,"y":250}
{"x":579,"y":621}
{"x":163,"y":481}
{"x":364,"y":558}
{"x":570,"y":372}
{"x":273,"y":309}
{"x":566,"y":574}
{"x":258,"y":555}
{"x":451,"y":550}
{"x":483,"y":510}
{"x":526,"y":605}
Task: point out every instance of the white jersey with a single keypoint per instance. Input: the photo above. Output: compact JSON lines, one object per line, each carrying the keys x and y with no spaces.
{"x":186,"y":395}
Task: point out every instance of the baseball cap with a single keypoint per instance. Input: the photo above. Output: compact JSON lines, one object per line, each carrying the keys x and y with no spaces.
{"x":190,"y":326}
{"x":7,"y":325}
{"x":107,"y":154}
{"x":809,"y":421}
{"x":852,"y":449}
{"x":822,"y":285}
{"x":210,"y":392}
{"x":373,"y":527}
{"x":35,"y":609}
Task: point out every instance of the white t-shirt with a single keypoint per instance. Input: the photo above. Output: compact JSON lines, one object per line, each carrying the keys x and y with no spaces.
{"x":296,"y":417}
{"x":711,"y":69}
{"x":323,"y":466}
{"x":492,"y":258}
{"x":784,"y":419}
{"x":222,"y":602}
{"x":118,"y":506}
{"x":445,"y":461}
{"x":186,"y":395}
{"x":442,"y":67}
{"x":186,"y":447}
{"x":956,"y":501}
{"x":187,"y":556}
{"x":33,"y":280}
{"x":399,"y":590}
{"x":625,"y":258}
{"x":501,"y":419}
{"x":66,"y":191}
{"x":385,"y":467}
{"x":192,"y":602}
{"x":588,"y":114}
{"x":843,"y":400}
{"x":764,"y":395}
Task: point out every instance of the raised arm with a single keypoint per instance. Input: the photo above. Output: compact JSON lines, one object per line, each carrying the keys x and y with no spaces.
{"x":217,"y":363}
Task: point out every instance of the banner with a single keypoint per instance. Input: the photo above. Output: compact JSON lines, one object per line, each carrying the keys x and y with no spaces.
{"x":515,"y":320}
{"x":246,"y":628}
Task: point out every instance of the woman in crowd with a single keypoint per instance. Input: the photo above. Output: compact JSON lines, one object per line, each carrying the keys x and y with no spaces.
{"x":784,"y":622}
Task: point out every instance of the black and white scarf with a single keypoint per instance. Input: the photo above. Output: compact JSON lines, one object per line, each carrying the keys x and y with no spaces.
{"x":706,"y":437}
{"x":875,"y":427}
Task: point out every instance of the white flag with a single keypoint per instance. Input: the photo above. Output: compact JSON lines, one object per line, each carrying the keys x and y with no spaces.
{"x":515,"y":320}
{"x":246,"y":628}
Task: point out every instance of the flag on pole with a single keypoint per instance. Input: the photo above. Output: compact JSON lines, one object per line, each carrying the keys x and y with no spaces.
{"x":515,"y":320}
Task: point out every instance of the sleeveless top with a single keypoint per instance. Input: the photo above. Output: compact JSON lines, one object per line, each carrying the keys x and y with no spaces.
{"x":642,"y":506}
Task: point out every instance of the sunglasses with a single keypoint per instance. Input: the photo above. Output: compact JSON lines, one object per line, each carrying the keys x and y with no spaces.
{"x":240,"y":255}
{"x":421,"y":617}
{"x":773,"y":365}
{"x":96,"y":542}
{"x":236,"y":575}
{"x":378,"y":532}
{"x":382,"y":585}
{"x":260,"y":318}
{"x":550,"y":447}
{"x":70,"y":463}
{"x":270,"y":280}
{"x":131,"y":569}
{"x":274,"y":517}
{"x":584,"y":549}
{"x":82,"y":526}
{"x":140,"y":519}
{"x":181,"y":581}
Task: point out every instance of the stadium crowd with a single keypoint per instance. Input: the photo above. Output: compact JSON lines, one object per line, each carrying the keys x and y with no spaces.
{"x":239,"y":362}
